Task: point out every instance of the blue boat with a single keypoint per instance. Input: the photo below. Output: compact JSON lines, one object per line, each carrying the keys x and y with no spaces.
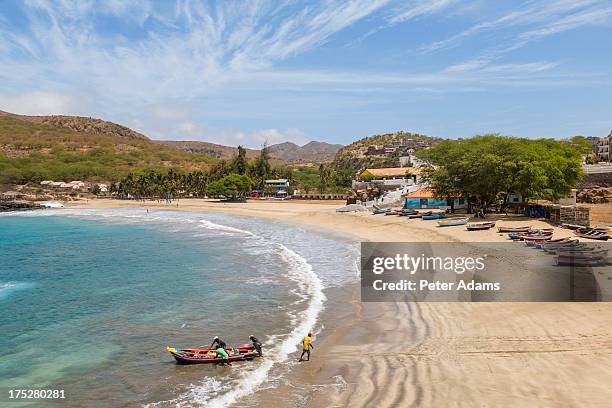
{"x":433,"y":217}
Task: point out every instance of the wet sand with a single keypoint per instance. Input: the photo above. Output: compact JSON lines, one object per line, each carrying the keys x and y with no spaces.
{"x":433,"y":354}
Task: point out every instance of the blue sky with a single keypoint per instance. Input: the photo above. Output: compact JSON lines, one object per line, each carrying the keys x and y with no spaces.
{"x":248,"y":72}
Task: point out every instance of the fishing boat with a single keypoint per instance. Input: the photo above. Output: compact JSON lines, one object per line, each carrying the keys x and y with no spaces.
{"x":406,"y":213}
{"x":521,"y":235}
{"x":532,"y":240}
{"x":419,"y":215}
{"x":571,"y":226}
{"x":557,"y":243}
{"x":480,"y":226}
{"x":570,"y":247}
{"x":380,"y":210}
{"x":583,"y":253}
{"x":209,"y":356}
{"x":514,"y":229}
{"x":434,"y":216}
{"x":572,"y":260}
{"x":453,"y":222}
{"x":392,"y":212}
{"x":592,"y":234}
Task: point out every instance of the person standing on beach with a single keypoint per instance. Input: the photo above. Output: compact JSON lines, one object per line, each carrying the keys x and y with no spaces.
{"x":306,"y":347}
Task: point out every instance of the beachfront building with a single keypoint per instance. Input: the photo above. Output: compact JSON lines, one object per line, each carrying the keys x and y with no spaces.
{"x":425,"y":198}
{"x":389,"y":176}
{"x":73,"y":185}
{"x":278,"y":187}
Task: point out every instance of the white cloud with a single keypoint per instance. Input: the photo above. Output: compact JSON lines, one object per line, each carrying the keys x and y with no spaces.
{"x":420,"y":9}
{"x":41,"y":103}
{"x":538,"y":19}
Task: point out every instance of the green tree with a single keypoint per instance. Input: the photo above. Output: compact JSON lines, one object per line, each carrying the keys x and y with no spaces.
{"x":240,"y":164}
{"x":233,"y":185}
{"x":261,"y":167}
{"x":488,"y":168}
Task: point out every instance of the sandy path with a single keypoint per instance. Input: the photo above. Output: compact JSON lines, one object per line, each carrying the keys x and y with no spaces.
{"x":438,"y":354}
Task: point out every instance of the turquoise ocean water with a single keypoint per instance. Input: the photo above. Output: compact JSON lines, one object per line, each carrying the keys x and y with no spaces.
{"x":90,"y":298}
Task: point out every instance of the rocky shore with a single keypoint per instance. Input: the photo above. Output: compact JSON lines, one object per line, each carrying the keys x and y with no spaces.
{"x":17,"y":206}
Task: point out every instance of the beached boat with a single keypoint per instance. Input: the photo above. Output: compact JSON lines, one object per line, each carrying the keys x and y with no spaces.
{"x":571,"y":226}
{"x":406,"y":213}
{"x":582,"y":253}
{"x":434,"y":216}
{"x":419,"y":215}
{"x":572,"y":260}
{"x":558,"y":243}
{"x":480,"y":226}
{"x":392,"y":212}
{"x":536,"y":238}
{"x":453,"y":222}
{"x":380,"y":210}
{"x":514,"y":229}
{"x":521,"y":235}
{"x":209,"y":356}
{"x":592,"y":234}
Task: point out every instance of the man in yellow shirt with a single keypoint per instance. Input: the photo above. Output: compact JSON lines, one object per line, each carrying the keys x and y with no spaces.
{"x":306,"y":346}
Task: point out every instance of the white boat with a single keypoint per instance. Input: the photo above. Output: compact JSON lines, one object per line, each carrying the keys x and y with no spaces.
{"x":452,"y":223}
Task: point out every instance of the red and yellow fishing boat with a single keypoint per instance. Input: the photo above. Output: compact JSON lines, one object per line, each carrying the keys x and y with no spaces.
{"x":209,"y":355}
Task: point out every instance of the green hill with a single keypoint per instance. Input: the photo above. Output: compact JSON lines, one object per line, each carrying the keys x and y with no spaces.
{"x":35,"y":148}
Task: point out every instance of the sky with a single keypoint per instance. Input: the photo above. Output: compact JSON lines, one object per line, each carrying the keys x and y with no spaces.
{"x":260,"y":71}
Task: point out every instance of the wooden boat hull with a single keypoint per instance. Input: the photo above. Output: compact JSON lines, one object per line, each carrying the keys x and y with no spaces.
{"x":433,"y":217}
{"x":481,"y":226}
{"x":593,"y":234}
{"x":514,"y":229}
{"x":202,"y":356}
{"x":452,"y":223}
{"x":580,"y":261}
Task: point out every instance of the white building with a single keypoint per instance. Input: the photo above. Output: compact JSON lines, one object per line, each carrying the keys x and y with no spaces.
{"x":278,"y":186}
{"x":604,"y":148}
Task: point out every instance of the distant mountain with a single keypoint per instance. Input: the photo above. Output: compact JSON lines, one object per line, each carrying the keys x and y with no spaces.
{"x":211,"y":149}
{"x":288,"y":152}
{"x":310,"y":152}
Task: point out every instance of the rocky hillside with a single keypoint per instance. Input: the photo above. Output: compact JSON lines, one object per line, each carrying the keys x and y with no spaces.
{"x":381,"y":150}
{"x":81,"y":124}
{"x":35,"y":148}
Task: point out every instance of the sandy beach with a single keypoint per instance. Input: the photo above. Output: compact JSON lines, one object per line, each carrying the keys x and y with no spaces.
{"x":432,"y":354}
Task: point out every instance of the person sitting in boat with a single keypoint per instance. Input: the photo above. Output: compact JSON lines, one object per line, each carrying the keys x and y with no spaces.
{"x":221,"y":353}
{"x":256,"y":345}
{"x":306,"y":347}
{"x":219,"y":343}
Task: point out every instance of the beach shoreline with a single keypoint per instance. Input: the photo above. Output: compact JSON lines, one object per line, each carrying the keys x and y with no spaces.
{"x":431,"y":354}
